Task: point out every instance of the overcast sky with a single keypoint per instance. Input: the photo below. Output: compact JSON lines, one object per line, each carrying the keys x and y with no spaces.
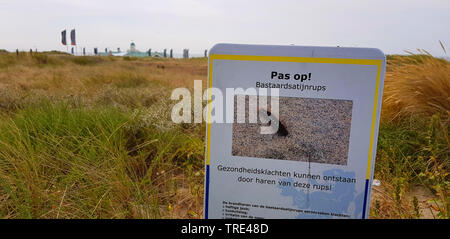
{"x":391,"y":25}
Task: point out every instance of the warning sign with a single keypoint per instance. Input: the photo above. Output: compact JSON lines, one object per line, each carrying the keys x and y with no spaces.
{"x":299,"y":133}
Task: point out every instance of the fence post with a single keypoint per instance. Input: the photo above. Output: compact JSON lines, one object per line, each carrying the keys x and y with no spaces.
{"x":185,"y":53}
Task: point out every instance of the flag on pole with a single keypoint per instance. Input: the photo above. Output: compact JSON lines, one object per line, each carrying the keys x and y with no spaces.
{"x":72,"y":37}
{"x":63,"y":38}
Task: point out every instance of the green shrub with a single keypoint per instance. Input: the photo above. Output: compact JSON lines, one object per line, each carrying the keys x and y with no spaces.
{"x":40,"y":58}
{"x":130,"y":58}
{"x":129,"y":80}
{"x":7,"y":60}
{"x":86,"y":60}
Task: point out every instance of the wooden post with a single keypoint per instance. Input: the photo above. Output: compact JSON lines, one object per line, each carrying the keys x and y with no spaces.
{"x":185,"y":53}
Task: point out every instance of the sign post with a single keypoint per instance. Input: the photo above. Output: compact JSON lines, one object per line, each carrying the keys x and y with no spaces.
{"x":319,"y":161}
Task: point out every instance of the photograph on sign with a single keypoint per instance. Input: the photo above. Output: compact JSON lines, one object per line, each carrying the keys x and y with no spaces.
{"x":311,"y":130}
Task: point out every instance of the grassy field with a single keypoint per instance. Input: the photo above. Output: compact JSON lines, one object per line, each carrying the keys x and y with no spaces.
{"x":91,"y":137}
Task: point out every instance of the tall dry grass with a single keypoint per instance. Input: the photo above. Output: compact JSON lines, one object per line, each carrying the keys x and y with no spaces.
{"x":93,"y":80}
{"x":413,"y":145}
{"x":92,"y":137}
{"x":417,"y":84}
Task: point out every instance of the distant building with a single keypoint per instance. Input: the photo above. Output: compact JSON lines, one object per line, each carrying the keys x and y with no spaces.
{"x":132,"y":52}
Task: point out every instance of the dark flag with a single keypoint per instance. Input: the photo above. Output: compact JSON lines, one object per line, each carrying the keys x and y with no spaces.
{"x":72,"y":37}
{"x":63,"y":38}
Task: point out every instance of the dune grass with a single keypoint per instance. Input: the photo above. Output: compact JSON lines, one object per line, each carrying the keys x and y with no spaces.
{"x":413,"y":146}
{"x":59,"y":160}
{"x":418,"y":84}
{"x":91,"y":137}
{"x":413,"y":153}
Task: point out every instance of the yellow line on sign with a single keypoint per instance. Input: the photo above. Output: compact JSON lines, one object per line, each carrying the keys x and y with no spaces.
{"x":372,"y":131}
{"x":208,"y":146}
{"x":296,"y":59}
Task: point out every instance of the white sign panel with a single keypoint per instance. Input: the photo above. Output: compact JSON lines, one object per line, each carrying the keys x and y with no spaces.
{"x":320,"y":162}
